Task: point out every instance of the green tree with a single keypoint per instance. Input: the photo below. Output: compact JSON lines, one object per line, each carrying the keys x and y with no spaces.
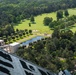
{"x":56,"y":42}
{"x":38,"y":46}
{"x":9,"y":39}
{"x":20,"y":34}
{"x":66,"y":13}
{"x":53,"y":24}
{"x":70,"y":67}
{"x":26,"y":32}
{"x":30,"y":31}
{"x":47,"y":20}
{"x":56,"y":33}
{"x":17,"y":30}
{"x":17,"y":36}
{"x":10,"y":29}
{"x":50,"y":46}
{"x":23,"y":33}
{"x":29,"y":24}
{"x":64,"y":43}
{"x":32,"y":19}
{"x":13,"y":37}
{"x":5,"y":39}
{"x":59,"y":14}
{"x":66,"y":34}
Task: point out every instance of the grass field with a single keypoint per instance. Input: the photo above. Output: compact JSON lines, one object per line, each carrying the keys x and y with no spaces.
{"x":39,"y":22}
{"x":73,"y":28}
{"x":72,"y":11}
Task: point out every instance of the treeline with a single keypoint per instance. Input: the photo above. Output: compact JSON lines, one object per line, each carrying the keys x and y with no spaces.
{"x":63,"y":20}
{"x":15,"y":11}
{"x":64,"y":23}
{"x":9,"y":35}
{"x":55,"y":53}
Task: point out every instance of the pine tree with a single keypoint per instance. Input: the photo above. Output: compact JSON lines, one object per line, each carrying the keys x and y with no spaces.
{"x":32,"y":19}
{"x":66,"y":13}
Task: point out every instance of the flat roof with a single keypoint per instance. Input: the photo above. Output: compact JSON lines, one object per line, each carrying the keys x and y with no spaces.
{"x":14,"y":44}
{"x":1,"y":40}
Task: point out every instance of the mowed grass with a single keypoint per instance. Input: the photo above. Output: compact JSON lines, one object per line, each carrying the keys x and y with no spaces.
{"x":39,"y":22}
{"x":73,"y":28}
{"x":73,"y":12}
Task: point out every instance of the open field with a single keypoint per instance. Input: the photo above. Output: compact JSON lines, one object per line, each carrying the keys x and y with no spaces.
{"x":72,"y":11}
{"x":39,"y":22}
{"x":73,"y":28}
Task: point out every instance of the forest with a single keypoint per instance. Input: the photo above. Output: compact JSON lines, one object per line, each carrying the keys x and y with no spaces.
{"x":62,"y":22}
{"x":54,"y":53}
{"x":16,"y":10}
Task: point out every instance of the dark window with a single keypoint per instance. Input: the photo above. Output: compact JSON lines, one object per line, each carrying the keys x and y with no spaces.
{"x":4,"y":70}
{"x":24,"y":65}
{"x":28,"y":73}
{"x":48,"y":73}
{"x":42,"y":72}
{"x":31,"y":67}
{"x":6,"y":64}
{"x":5,"y":56}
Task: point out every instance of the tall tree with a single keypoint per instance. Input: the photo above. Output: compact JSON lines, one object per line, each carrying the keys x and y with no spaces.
{"x":47,"y":20}
{"x":32,"y":19}
{"x":66,"y":13}
{"x":59,"y":14}
{"x":56,"y":33}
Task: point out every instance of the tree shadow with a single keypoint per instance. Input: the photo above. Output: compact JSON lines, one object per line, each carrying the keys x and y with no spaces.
{"x":33,"y":22}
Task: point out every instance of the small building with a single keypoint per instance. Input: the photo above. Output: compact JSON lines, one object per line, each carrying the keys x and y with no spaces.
{"x":13,"y":47}
{"x":2,"y":42}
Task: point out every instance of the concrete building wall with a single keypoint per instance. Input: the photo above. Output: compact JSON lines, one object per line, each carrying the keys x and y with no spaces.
{"x":2,"y":42}
{"x":13,"y":47}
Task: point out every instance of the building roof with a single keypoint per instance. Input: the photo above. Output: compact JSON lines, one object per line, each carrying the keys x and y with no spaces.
{"x":14,"y":44}
{"x":13,"y":65}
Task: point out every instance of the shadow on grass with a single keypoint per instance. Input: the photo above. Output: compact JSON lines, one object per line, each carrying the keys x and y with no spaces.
{"x":70,"y":27}
{"x":16,"y":24}
{"x":33,"y":22}
{"x":51,"y":28}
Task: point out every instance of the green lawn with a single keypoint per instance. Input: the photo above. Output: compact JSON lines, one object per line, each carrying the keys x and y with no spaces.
{"x":39,"y":22}
{"x":72,"y":11}
{"x":73,"y":28}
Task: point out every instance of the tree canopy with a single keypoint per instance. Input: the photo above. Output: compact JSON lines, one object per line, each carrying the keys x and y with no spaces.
{"x":66,"y":13}
{"x":17,"y":10}
{"x":59,"y":14}
{"x":47,"y":20}
{"x":54,"y":53}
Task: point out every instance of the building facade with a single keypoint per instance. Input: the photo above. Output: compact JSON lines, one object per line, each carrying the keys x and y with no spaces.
{"x":14,"y":65}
